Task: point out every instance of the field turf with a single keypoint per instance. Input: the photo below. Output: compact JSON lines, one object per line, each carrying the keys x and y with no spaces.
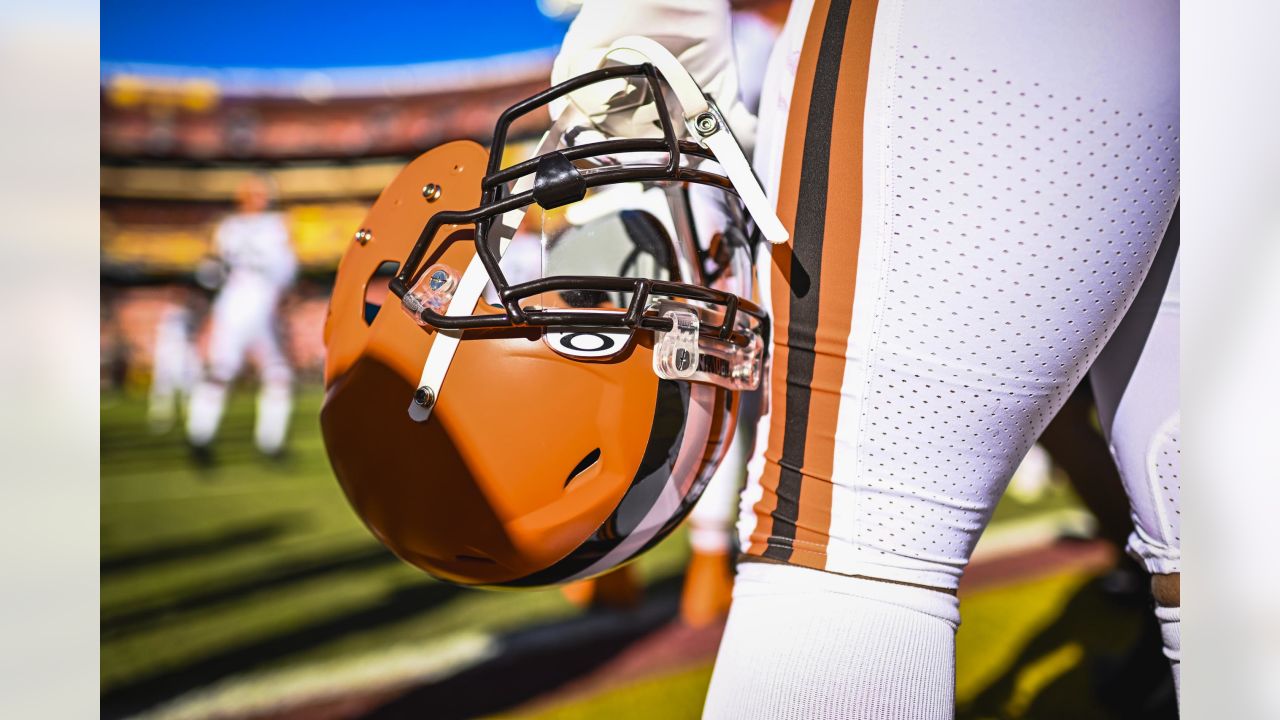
{"x":252,"y":584}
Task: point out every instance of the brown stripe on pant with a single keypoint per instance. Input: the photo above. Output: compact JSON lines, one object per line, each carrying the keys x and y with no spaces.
{"x":820,"y":200}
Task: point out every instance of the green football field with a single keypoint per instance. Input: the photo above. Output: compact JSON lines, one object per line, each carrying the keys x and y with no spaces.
{"x":251,"y":588}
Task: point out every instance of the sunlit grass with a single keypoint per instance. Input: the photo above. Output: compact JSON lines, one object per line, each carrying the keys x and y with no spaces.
{"x":263,"y":565}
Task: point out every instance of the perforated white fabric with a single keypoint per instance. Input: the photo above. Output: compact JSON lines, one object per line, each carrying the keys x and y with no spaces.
{"x":1017,"y":183}
{"x":1165,"y":465}
{"x":1135,"y":382}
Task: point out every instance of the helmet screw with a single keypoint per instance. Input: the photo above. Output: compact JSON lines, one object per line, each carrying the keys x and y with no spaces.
{"x":706,"y":124}
{"x":424,"y":397}
{"x":364,"y":235}
{"x":431,"y":192}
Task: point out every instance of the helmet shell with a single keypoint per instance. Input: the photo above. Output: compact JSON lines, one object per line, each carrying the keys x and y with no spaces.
{"x":533,"y":468}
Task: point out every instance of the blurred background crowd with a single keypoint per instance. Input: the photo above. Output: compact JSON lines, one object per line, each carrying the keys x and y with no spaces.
{"x":178,"y":140}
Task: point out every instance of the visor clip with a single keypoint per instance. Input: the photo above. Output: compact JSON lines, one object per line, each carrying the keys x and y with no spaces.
{"x":557,"y":181}
{"x":675,"y":352}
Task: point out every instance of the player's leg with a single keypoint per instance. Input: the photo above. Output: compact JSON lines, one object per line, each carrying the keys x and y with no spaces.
{"x":711,"y":521}
{"x":204,"y":412}
{"x":971,"y":216}
{"x":708,"y":580}
{"x":1082,"y":453}
{"x":1135,"y":381}
{"x":230,"y":334}
{"x":275,"y":393}
{"x":168,"y":367}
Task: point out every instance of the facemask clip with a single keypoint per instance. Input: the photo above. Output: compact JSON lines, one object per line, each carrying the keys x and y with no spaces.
{"x":675,"y":353}
{"x":433,"y":291}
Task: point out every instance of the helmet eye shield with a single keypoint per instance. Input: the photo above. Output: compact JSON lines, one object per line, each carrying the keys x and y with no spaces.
{"x":565,"y":176}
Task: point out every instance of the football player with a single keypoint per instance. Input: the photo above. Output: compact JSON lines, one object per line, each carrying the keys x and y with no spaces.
{"x":175,"y":362}
{"x":253,"y":244}
{"x":976,"y":195}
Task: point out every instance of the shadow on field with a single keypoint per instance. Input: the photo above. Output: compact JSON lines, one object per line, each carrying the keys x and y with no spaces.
{"x":1119,"y":676}
{"x":535,"y":662}
{"x":145,"y":692}
{"x":203,"y":547}
{"x":276,"y":577}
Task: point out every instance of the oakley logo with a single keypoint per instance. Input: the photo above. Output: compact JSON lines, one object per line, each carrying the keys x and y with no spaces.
{"x":587,"y":342}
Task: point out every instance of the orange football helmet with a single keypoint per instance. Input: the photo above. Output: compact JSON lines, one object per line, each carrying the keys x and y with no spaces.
{"x":536,"y":432}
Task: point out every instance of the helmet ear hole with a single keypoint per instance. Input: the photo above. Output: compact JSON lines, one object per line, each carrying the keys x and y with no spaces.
{"x":583,"y":466}
{"x":376,"y":289}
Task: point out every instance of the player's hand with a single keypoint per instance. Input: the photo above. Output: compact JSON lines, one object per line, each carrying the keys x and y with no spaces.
{"x":210,"y":272}
{"x":697,"y":32}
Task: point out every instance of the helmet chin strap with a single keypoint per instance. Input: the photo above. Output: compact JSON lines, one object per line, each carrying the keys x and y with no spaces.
{"x":705,"y":124}
{"x":473,"y":281}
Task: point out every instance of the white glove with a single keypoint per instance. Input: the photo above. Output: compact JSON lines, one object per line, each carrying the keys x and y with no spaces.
{"x":697,"y":32}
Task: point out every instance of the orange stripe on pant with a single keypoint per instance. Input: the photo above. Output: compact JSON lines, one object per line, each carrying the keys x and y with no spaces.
{"x":813,"y":285}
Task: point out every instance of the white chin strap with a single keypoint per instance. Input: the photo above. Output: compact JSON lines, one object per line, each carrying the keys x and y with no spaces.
{"x":471,"y":288}
{"x":705,"y":125}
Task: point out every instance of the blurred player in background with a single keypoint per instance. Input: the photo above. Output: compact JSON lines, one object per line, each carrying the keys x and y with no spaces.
{"x":175,"y":363}
{"x":253,"y":245}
